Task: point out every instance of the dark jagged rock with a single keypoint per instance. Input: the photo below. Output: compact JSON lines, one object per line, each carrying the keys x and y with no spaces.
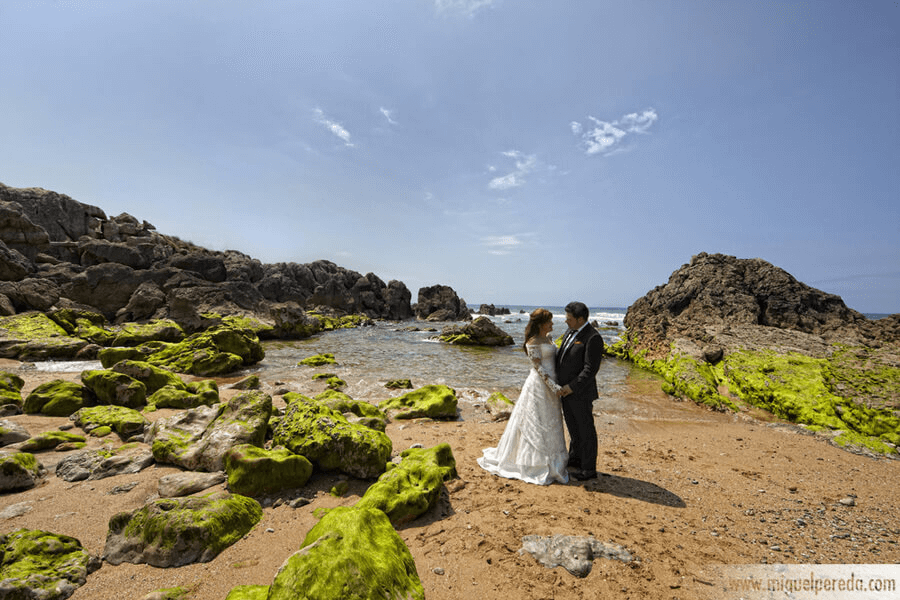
{"x":492,"y":311}
{"x":480,"y":332}
{"x":56,"y":252}
{"x":440,"y":303}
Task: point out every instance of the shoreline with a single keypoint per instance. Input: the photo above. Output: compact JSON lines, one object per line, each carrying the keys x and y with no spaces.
{"x":681,"y":493}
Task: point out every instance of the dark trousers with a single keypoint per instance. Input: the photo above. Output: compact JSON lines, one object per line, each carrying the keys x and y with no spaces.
{"x":582,"y":433}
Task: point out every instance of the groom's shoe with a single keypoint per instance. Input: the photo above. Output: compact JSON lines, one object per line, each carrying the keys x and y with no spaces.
{"x":582,"y":475}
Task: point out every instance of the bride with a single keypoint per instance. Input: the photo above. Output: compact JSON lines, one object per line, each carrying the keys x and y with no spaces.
{"x":533,"y":446}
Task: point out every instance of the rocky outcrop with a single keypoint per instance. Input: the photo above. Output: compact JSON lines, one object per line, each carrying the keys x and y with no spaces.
{"x":58,"y":252}
{"x":42,"y":565}
{"x":480,"y":332}
{"x":492,"y":311}
{"x":440,"y":303}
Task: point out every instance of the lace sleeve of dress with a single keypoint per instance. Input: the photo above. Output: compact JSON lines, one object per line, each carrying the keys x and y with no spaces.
{"x":534,"y":353}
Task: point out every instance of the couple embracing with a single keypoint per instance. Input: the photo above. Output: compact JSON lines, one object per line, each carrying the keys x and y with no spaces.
{"x":561,"y":385}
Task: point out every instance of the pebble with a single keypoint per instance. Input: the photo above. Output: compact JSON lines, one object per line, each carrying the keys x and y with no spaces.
{"x":438,"y":571}
{"x":848,"y":501}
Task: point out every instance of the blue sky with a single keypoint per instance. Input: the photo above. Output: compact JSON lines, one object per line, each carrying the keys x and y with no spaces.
{"x":522,"y":152}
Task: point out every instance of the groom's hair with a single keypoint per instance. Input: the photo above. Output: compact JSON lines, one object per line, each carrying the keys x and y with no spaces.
{"x":579,"y":310}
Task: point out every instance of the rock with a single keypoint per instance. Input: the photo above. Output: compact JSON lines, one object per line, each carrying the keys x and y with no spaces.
{"x":187,"y":483}
{"x":14,"y":266}
{"x":50,"y":439}
{"x":440,"y":303}
{"x":492,"y":311}
{"x":151,"y":376}
{"x":198,"y":439}
{"x":248,"y":592}
{"x":217,"y":351}
{"x":42,"y":565}
{"x":10,"y":388}
{"x":124,"y":421}
{"x":100,"y":464}
{"x":175,"y":593}
{"x":329,"y":441}
{"x":251,"y":382}
{"x":191,"y":395}
{"x":575,"y":554}
{"x":399,"y":384}
{"x":318,"y":360}
{"x":432,"y":401}
{"x":848,"y":501}
{"x":254,"y":471}
{"x":115,"y":388}
{"x":413,"y":486}
{"x":173,"y":532}
{"x":12,"y":433}
{"x":375,"y":561}
{"x":480,"y":332}
{"x":19,"y":471}
{"x":160,"y":330}
{"x":367,"y":414}
{"x":34,"y":336}
{"x":499,"y":406}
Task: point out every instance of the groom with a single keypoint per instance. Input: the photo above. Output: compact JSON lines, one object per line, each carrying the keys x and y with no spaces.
{"x":577,"y":363}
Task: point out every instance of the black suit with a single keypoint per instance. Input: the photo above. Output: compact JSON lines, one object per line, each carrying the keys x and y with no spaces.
{"x":576,"y":366}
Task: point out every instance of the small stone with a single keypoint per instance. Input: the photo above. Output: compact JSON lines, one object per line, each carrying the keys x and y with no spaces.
{"x":848,"y":501}
{"x":270,"y":530}
{"x":438,"y":571}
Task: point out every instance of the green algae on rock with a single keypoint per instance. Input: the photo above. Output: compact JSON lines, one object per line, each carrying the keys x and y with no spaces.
{"x":431,"y":401}
{"x":248,"y":592}
{"x":173,"y":593}
{"x":11,"y":388}
{"x":189,"y":395}
{"x":329,"y":440}
{"x":350,"y":553}
{"x":115,"y":388}
{"x":135,"y":334}
{"x":57,"y":398}
{"x":399,"y":384}
{"x":364,"y":413}
{"x":253,"y":471}
{"x":42,"y":565}
{"x":318,"y":360}
{"x":480,"y":332}
{"x":152,"y":376}
{"x":173,"y":532}
{"x":50,"y":439}
{"x":34,"y":336}
{"x":19,"y":471}
{"x":413,"y":486}
{"x":124,"y":421}
{"x":84,"y":324}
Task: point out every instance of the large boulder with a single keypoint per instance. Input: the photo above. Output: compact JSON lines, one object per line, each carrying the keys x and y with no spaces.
{"x":198,"y":439}
{"x":41,"y":565}
{"x":125,"y":421}
{"x":440,"y":303}
{"x":34,"y":336}
{"x":190,"y":395}
{"x":412,"y":487}
{"x":217,"y":351}
{"x":51,"y":439}
{"x":254,"y":471}
{"x":173,"y":532}
{"x":329,"y":440}
{"x":110,"y":387}
{"x":11,"y":388}
{"x":99,"y":464}
{"x":431,"y":401}
{"x":349,"y":553}
{"x":480,"y":332}
{"x":12,"y":433}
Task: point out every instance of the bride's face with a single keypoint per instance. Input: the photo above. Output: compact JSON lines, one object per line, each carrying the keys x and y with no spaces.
{"x":547,"y":327}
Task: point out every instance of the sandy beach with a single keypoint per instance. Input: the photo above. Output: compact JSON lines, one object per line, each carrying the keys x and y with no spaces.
{"x":682,"y":489}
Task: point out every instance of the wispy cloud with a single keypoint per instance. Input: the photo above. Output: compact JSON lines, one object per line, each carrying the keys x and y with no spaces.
{"x":333,"y":126}
{"x":501,"y":244}
{"x":466,"y":8}
{"x":608,"y":137}
{"x":524,"y":164}
{"x":389,"y":115}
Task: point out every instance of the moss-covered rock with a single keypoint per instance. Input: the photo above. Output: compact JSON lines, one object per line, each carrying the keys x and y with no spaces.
{"x":135,"y":334}
{"x":399,"y":384}
{"x":50,"y":439}
{"x":329,"y":441}
{"x":34,"y":336}
{"x":499,"y":406}
{"x":412,"y":487}
{"x":213,"y":352}
{"x":85,"y":324}
{"x":432,"y":401}
{"x":327,"y":323}
{"x":173,"y":532}
{"x":115,"y":388}
{"x":349,"y":553}
{"x":41,"y":565}
{"x":198,"y":439}
{"x":19,"y":471}
{"x":11,"y":388}
{"x":173,"y":593}
{"x":248,"y":592}
{"x":253,"y":471}
{"x":362,"y":412}
{"x":109,"y":357}
{"x":124,"y":421}
{"x":480,"y":332}
{"x":151,"y":376}
{"x":57,"y":398}
{"x":191,"y":395}
{"x":318,"y":360}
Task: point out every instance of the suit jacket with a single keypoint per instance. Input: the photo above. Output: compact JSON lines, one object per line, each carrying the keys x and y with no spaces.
{"x":577,"y":367}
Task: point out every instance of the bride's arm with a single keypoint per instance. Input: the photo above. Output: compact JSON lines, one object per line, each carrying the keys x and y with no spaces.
{"x":534,"y":353}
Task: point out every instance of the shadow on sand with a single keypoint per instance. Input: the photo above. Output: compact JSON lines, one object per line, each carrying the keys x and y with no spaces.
{"x":626,"y":487}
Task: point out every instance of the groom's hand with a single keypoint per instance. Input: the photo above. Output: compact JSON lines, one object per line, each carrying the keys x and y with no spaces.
{"x":565,"y":391}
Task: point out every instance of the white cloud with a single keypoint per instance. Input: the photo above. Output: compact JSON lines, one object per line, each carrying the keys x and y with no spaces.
{"x":525,"y":164}
{"x":466,"y":8}
{"x":388,"y":114}
{"x":606,"y":137}
{"x":333,"y":126}
{"x":501,"y":244}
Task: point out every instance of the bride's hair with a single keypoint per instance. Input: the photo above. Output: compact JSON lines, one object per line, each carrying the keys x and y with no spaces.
{"x":539,"y":316}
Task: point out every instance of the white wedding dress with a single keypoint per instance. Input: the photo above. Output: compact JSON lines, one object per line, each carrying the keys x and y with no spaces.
{"x":533,"y":446}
